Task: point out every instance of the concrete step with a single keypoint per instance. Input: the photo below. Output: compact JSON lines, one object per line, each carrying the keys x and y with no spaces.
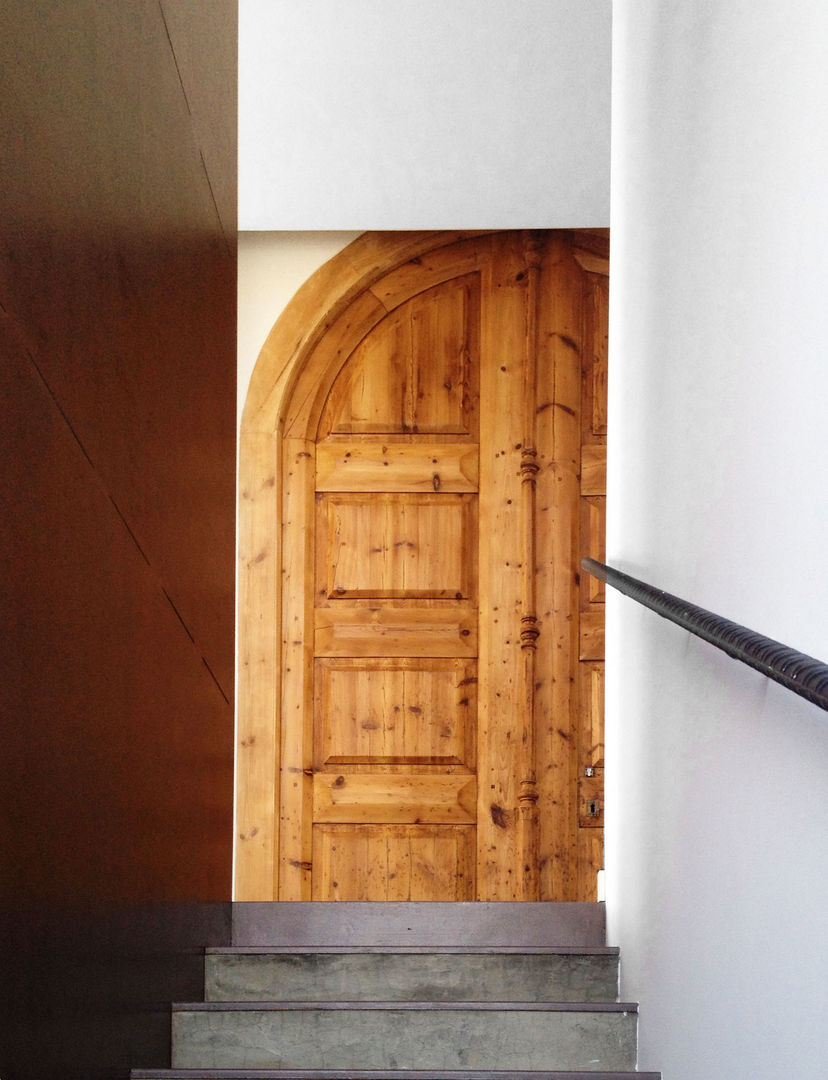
{"x":381,"y":1074}
{"x":288,"y":974}
{"x":430,"y":924}
{"x":405,"y":1035}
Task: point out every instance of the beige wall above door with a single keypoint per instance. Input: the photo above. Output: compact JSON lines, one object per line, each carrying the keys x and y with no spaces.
{"x":420,"y":668}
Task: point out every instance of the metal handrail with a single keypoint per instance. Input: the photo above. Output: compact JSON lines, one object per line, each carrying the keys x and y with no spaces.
{"x":802,"y":674}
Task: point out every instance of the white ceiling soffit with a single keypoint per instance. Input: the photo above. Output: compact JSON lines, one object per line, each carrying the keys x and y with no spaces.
{"x":424,"y":114}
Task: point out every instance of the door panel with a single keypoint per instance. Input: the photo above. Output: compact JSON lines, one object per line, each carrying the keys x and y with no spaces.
{"x":388,"y":545}
{"x":442,"y":659}
{"x":349,"y":466}
{"x":394,"y":862}
{"x":411,"y":372}
{"x":433,"y":798}
{"x":364,"y":628}
{"x":406,"y":711}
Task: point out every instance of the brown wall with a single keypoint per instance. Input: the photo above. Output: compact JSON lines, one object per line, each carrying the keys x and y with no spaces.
{"x":117,"y":284}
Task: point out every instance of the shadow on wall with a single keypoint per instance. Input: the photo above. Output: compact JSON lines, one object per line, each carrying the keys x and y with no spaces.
{"x":86,"y":993}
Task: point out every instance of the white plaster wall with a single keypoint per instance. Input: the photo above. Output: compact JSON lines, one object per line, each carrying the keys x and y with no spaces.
{"x":717,"y":842}
{"x":272,"y":266}
{"x":424,"y":114}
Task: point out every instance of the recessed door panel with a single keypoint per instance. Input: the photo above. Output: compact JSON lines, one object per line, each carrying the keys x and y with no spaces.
{"x":405,"y":711}
{"x":396,"y":466}
{"x":394,"y":862}
{"x":396,"y":628}
{"x":414,"y":798}
{"x":389,"y":545}
{"x":414,"y":371}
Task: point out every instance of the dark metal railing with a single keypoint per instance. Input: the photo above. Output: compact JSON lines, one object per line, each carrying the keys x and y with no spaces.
{"x":803,"y":674}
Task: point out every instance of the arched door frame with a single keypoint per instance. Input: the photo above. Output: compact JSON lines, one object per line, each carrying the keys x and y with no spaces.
{"x":287,"y":355}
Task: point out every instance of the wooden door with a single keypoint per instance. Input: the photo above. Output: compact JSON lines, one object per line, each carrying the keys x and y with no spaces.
{"x":442,"y":469}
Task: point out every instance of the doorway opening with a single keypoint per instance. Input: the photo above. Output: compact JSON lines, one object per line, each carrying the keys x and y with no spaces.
{"x":422,"y":467}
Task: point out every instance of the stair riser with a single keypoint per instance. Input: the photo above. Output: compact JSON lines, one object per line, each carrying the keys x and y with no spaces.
{"x":428,"y":924}
{"x":398,"y":1039}
{"x":398,"y":977}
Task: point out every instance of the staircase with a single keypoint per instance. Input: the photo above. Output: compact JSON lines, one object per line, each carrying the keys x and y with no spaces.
{"x":408,"y":991}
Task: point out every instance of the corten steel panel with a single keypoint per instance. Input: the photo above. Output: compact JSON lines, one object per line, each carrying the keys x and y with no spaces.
{"x":117,"y":284}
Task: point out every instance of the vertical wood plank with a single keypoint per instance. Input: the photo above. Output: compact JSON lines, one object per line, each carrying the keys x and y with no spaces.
{"x":528,"y":853}
{"x":297,"y":665}
{"x":593,"y":530}
{"x":501,"y":664}
{"x":558,"y":500}
{"x":257,"y":748}
{"x":394,"y":862}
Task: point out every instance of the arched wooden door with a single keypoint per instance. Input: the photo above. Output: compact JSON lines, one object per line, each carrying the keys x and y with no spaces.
{"x":421,"y":674}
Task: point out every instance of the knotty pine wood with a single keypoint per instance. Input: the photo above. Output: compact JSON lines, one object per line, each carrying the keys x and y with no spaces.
{"x":371,"y":626}
{"x":411,"y":710}
{"x":384,"y":388}
{"x":296,"y":704}
{"x":593,"y":527}
{"x":396,"y":466}
{"x":427,"y":798}
{"x":499,"y":876}
{"x":559,"y":492}
{"x":591,"y":707}
{"x":591,"y":638}
{"x":288,"y":354}
{"x":394,"y":862}
{"x":258,"y":742}
{"x":594,"y":468}
{"x":363,"y":628}
{"x":395,"y":545}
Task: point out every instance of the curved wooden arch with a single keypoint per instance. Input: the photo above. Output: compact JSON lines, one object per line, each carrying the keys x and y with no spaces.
{"x":288,"y":383}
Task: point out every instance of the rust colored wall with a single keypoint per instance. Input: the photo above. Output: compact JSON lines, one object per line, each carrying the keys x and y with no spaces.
{"x":117,"y":284}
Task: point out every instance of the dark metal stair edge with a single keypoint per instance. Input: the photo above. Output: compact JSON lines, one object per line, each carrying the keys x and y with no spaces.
{"x":414,"y":950}
{"x":380,"y":1074}
{"x":407,"y":1006}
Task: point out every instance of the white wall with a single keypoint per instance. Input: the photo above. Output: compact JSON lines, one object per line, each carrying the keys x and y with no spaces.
{"x":717,"y":844}
{"x":424,"y":114}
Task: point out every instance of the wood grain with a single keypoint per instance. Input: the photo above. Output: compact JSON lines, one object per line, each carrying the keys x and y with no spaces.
{"x":396,"y":466}
{"x":559,"y":433}
{"x":411,"y":372}
{"x":442,"y":469}
{"x":594,"y":468}
{"x":393,"y":545}
{"x":366,"y":629}
{"x":593,"y":546}
{"x":593,"y":518}
{"x":393,"y":862}
{"x":412,"y":798}
{"x":409,"y":710}
{"x":592,"y":635}
{"x":591,"y":707}
{"x":501,"y":663}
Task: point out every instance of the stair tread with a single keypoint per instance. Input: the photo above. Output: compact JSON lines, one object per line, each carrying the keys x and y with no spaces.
{"x":383,"y":1074}
{"x":414,"y":950}
{"x":411,"y":1006}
